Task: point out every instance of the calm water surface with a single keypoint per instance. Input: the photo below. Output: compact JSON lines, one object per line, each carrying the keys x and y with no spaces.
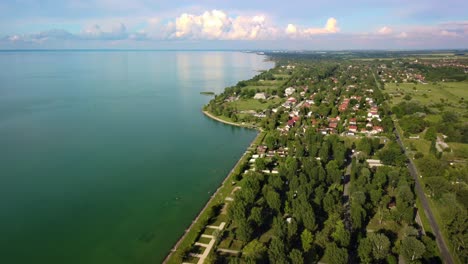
{"x":105,"y":157}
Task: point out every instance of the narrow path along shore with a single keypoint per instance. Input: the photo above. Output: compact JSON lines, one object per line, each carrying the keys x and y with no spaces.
{"x":181,"y":239}
{"x":210,"y":115}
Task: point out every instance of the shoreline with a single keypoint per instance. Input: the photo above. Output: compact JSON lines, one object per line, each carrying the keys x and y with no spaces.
{"x":210,"y":115}
{"x":213,"y":196}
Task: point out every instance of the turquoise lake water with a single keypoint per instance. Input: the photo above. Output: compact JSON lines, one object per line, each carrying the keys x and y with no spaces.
{"x":105,"y":157}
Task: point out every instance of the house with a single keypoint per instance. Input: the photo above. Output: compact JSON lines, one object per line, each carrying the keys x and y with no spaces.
{"x":352,"y":128}
{"x":378,"y":129}
{"x":262,"y":149}
{"x":352,"y":121}
{"x":289,"y":91}
{"x":344,"y":105}
{"x":260,"y":96}
{"x":374,"y":163}
{"x":373,"y":114}
{"x":292,"y":100}
{"x":287,"y":104}
{"x":314,"y":122}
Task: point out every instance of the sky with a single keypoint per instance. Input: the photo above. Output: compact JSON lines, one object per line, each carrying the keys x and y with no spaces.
{"x":234,"y":24}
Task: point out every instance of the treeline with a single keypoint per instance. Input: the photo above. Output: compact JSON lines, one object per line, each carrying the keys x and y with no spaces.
{"x":440,"y":73}
{"x":411,"y":118}
{"x":295,"y":216}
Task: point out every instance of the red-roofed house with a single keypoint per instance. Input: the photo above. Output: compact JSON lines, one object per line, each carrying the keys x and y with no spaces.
{"x":378,"y":129}
{"x":314,"y":122}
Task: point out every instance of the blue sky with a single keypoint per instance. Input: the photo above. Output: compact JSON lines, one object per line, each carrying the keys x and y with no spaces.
{"x":240,"y":24}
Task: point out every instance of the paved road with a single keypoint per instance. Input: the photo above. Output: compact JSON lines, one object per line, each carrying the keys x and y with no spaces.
{"x":444,"y":252}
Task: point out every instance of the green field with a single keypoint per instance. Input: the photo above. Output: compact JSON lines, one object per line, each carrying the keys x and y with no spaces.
{"x":460,"y":150}
{"x":428,"y":93}
{"x":261,"y":88}
{"x":254,"y":104}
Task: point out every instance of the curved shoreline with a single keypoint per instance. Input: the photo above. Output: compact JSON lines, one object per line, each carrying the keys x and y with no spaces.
{"x":210,"y":115}
{"x":213,"y":196}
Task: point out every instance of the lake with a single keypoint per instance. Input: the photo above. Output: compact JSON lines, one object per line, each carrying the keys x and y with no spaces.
{"x":105,"y":156}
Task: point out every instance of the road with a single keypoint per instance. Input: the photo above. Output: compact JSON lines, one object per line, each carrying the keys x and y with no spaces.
{"x":444,"y":252}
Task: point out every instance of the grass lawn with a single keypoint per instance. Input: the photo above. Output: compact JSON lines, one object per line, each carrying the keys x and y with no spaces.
{"x":275,"y":83}
{"x":209,"y":231}
{"x":237,"y":245}
{"x":265,"y":237}
{"x":437,"y":208}
{"x":420,"y":144}
{"x":192,"y":260}
{"x":284,"y":76}
{"x":226,"y":243}
{"x":204,"y":240}
{"x":460,"y":150}
{"x":198,"y":249}
{"x":422,"y":215}
{"x":216,"y":221}
{"x":263,"y":88}
{"x":433,"y":118}
{"x":254,"y":104}
{"x":374,"y":225}
{"x":428,"y":93}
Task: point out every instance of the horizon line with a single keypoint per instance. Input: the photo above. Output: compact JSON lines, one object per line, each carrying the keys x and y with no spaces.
{"x":238,"y":50}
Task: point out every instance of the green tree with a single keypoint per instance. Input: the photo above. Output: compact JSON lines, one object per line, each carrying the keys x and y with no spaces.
{"x":292,"y":229}
{"x":254,"y":251}
{"x":333,"y":172}
{"x":270,"y":141}
{"x":308,"y":216}
{"x":380,"y":245}
{"x":324,"y":152}
{"x":244,"y":230}
{"x":277,"y":251}
{"x":306,"y":240}
{"x":341,"y":235}
{"x":365,"y":146}
{"x":256,"y":215}
{"x":335,"y":254}
{"x":260,"y":164}
{"x":437,"y":186}
{"x":357,"y":215}
{"x":279,"y":227}
{"x":431,"y":134}
{"x":365,"y":250}
{"x":296,"y":256}
{"x":412,"y":249}
{"x":273,"y":200}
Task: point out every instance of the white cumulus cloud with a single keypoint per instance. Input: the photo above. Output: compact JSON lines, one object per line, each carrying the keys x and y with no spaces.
{"x":216,"y":24}
{"x":331,"y":27}
{"x":385,"y":31}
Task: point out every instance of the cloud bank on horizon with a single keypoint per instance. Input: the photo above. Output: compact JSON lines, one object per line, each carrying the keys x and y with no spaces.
{"x":137,"y":24}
